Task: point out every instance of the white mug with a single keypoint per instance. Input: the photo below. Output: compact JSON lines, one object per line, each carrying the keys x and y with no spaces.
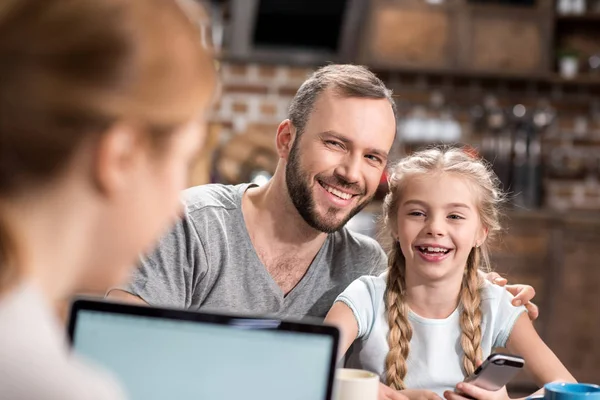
{"x":355,"y":384}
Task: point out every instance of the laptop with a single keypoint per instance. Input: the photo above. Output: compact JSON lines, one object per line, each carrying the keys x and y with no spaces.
{"x":161,"y":353}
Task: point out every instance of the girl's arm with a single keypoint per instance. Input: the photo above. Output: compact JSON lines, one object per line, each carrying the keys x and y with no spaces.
{"x":342,"y":317}
{"x":543,"y":364}
{"x":539,"y":360}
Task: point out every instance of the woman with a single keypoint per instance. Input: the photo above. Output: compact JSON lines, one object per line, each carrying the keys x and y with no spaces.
{"x":101,"y":111}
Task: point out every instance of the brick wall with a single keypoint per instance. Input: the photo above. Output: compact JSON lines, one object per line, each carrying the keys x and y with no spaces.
{"x":256,"y":97}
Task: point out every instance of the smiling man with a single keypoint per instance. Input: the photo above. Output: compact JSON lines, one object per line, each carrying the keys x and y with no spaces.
{"x":283,"y":249}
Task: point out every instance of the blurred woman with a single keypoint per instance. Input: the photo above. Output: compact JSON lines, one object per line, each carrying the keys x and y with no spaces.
{"x":101,"y":111}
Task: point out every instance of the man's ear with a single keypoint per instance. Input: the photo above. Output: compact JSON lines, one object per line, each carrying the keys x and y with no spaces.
{"x":286,"y":134}
{"x":117,"y":154}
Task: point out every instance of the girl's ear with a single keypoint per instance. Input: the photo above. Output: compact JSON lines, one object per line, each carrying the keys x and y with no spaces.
{"x":481,"y":237}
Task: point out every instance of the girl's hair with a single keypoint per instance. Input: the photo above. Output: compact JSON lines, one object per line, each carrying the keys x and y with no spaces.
{"x":71,"y":69}
{"x":457,"y":162}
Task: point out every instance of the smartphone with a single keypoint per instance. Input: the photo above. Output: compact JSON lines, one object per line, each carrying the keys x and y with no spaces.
{"x":496,"y":371}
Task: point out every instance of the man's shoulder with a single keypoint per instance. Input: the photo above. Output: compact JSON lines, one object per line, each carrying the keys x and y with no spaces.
{"x":213,"y":196}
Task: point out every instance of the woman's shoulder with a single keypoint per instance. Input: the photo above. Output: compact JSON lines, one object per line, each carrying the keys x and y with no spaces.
{"x":34,"y":359}
{"x":28,"y":375}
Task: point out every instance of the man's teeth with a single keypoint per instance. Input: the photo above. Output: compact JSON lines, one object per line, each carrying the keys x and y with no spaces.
{"x":434,"y":249}
{"x":338,"y":193}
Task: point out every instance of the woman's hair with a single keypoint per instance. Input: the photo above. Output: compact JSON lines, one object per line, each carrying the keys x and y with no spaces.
{"x":480,"y":176}
{"x":71,"y":69}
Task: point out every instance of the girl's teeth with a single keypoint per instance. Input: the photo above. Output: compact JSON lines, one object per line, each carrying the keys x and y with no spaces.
{"x":433,"y":249}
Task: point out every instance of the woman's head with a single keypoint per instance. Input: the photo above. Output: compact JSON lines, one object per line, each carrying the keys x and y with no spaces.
{"x":110,"y":94}
{"x":441,"y":212}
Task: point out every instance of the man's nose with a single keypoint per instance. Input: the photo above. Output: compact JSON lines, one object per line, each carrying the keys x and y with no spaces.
{"x":349,"y":170}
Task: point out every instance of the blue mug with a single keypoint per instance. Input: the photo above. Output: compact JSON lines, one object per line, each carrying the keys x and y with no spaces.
{"x":569,"y":391}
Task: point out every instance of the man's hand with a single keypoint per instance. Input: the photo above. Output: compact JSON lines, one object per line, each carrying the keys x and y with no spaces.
{"x":387,"y":393}
{"x":464,"y":391}
{"x":523,"y":294}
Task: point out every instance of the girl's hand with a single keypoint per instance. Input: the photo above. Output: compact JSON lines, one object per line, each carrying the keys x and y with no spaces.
{"x":420,"y":394}
{"x":387,"y":393}
{"x":465,"y":391}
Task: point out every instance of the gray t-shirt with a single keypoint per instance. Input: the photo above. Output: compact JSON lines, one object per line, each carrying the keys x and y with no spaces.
{"x":207,"y":262}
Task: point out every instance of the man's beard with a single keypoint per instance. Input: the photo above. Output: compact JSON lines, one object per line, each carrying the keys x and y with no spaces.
{"x":300,"y":193}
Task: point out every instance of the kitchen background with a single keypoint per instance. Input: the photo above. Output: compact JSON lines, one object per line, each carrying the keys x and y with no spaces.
{"x":518,"y":80}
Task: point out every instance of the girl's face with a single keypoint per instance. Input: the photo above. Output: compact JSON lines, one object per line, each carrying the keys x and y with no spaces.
{"x":438,"y":225}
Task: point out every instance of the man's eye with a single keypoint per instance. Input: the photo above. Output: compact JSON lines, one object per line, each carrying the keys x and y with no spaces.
{"x":334,"y":143}
{"x":374,"y":159}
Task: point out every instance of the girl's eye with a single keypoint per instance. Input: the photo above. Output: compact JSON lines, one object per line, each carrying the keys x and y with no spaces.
{"x":416,"y":214}
{"x":454,"y":216}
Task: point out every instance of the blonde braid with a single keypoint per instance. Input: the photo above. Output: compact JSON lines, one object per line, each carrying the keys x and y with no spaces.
{"x":397,"y":311}
{"x":470,"y":318}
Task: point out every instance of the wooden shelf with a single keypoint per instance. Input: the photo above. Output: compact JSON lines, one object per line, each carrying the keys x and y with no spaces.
{"x":580,"y":80}
{"x":455,"y":73}
{"x":587,"y":141}
{"x":588,"y":17}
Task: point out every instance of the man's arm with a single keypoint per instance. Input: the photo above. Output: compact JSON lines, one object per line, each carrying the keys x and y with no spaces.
{"x":170,"y":274}
{"x":125,"y":297}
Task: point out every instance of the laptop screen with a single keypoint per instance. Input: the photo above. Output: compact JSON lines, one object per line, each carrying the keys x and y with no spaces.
{"x":232,"y":358}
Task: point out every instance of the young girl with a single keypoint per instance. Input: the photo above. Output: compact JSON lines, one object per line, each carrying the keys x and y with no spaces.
{"x":426,"y":323}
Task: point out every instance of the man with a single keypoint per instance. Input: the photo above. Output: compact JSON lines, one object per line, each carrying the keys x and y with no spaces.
{"x":283,"y":249}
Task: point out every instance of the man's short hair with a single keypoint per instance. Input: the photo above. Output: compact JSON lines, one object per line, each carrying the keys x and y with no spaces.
{"x":344,"y":80}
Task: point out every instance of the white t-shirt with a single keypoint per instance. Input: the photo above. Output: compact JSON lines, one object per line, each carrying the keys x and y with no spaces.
{"x":435,"y":356}
{"x":35,"y":362}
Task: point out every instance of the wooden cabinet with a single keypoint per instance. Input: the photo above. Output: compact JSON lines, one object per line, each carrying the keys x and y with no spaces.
{"x":574,"y":326}
{"x":559,"y":256}
{"x":412,"y":35}
{"x":499,"y":39}
{"x":457,"y":35}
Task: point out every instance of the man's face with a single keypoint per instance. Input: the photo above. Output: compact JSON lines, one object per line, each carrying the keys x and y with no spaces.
{"x":335,"y":166}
